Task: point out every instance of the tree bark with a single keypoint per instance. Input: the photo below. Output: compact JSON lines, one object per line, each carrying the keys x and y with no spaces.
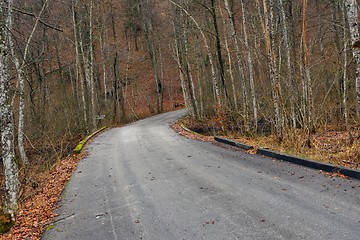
{"x":307,"y":85}
{"x":352,"y":13}
{"x":181,"y":74}
{"x":250,"y":65}
{"x":189,"y":74}
{"x":290,"y":70}
{"x":79,"y":72}
{"x":218,"y":49}
{"x":91,"y":70}
{"x":227,"y":47}
{"x":274,"y":74}
{"x":345,"y":78}
{"x":238,"y":58}
{"x":7,"y":136}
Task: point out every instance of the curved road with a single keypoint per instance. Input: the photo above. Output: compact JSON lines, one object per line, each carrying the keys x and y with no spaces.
{"x":144,"y":181}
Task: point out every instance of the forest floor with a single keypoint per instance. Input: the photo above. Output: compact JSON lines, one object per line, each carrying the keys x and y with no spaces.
{"x":329,"y":145}
{"x":38,"y":200}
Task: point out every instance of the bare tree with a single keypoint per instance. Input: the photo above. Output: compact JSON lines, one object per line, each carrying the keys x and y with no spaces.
{"x":352,"y":12}
{"x":250,"y":65}
{"x":238,"y":62}
{"x":10,"y":166}
{"x":209,"y":53}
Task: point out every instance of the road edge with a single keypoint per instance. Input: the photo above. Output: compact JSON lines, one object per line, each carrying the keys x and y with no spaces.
{"x":233,"y":143}
{"x":81,"y":144}
{"x":330,"y":168}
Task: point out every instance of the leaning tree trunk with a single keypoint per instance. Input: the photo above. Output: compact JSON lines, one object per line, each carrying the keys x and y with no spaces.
{"x":21,"y":77}
{"x":7,"y":137}
{"x":351,"y":9}
{"x":21,"y":90}
{"x":209,"y":53}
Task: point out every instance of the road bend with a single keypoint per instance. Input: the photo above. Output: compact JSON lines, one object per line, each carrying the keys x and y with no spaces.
{"x":144,"y":181}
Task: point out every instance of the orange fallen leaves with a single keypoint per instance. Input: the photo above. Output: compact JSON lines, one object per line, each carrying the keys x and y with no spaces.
{"x":190,"y":135}
{"x":37,"y":211}
{"x":335,"y":174}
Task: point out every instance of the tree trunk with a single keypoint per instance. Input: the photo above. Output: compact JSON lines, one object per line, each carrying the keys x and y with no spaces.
{"x":177,"y":57}
{"x":352,"y":13}
{"x":238,"y":62}
{"x":227,"y":47}
{"x":189,"y":74}
{"x":91,"y":70}
{"x":150,"y":40}
{"x":118,"y":93}
{"x":7,"y":136}
{"x":250,"y":65}
{"x":103,"y":58}
{"x":218,"y":49}
{"x":79,"y":73}
{"x":209,"y":53}
{"x":21,"y":78}
{"x":290,"y":71}
{"x":320,"y":37}
{"x":307,"y":85}
{"x":345,"y":80}
{"x":274,"y":74}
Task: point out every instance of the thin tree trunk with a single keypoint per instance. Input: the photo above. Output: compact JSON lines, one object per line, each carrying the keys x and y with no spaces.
{"x":181,"y":75}
{"x":79,"y":74}
{"x":238,"y":58}
{"x":345,"y":105}
{"x":308,"y":97}
{"x":91,"y":69}
{"x":290,"y":71}
{"x":321,"y":45}
{"x":227,"y":47}
{"x":209,"y":53}
{"x":189,"y":74}
{"x":21,"y":78}
{"x":7,"y":136}
{"x":218,"y":49}
{"x":352,"y":13}
{"x":250,"y":65}
{"x":274,"y":74}
{"x":103,"y":58}
{"x":150,"y":40}
{"x":117,"y":84}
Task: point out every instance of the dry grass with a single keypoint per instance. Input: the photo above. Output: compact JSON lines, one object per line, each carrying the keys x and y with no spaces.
{"x":329,"y":146}
{"x":333,"y":147}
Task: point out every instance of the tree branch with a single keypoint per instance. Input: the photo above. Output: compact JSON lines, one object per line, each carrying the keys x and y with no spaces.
{"x":41,"y":21}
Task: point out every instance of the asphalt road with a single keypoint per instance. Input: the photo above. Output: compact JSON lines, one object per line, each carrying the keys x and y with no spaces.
{"x":144,"y":181}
